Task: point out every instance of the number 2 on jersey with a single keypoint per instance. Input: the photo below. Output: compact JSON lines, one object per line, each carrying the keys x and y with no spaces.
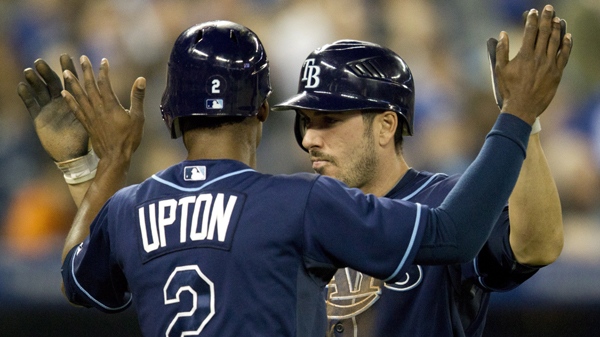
{"x":193,"y":292}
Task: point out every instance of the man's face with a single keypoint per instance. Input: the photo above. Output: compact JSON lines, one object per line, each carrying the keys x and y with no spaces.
{"x":341,"y":145}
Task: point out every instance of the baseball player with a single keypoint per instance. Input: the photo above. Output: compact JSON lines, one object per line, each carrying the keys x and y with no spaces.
{"x":355,"y":101}
{"x":211,"y":247}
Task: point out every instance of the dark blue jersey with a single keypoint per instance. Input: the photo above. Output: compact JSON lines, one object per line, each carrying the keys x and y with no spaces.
{"x":429,"y":300}
{"x":216,"y":247}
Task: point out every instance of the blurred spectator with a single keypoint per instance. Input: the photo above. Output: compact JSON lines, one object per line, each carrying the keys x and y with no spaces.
{"x":39,"y":216}
{"x":20,"y":151}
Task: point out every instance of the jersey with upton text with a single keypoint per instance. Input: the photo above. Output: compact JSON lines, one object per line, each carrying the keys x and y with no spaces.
{"x":215,"y":248}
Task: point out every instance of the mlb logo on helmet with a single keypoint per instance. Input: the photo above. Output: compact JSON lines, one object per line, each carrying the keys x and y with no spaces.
{"x":214,"y":104}
{"x":194,"y":173}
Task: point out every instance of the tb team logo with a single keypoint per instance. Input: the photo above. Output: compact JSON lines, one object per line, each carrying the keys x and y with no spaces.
{"x":311,"y":74}
{"x":350,"y":292}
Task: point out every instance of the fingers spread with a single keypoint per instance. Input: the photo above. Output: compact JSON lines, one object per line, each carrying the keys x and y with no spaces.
{"x":28,"y":98}
{"x":89,"y":82}
{"x":50,"y":77}
{"x":545,"y":29}
{"x":531,"y":31}
{"x":138,"y":93}
{"x":66,"y":63}
{"x":106,"y":91}
{"x":502,"y":50}
{"x":77,"y":99}
{"x":555,"y":39}
{"x":39,"y":87}
{"x":565,"y":51}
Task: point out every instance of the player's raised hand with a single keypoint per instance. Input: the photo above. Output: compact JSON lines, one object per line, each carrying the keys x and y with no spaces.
{"x":116,"y":132}
{"x":60,"y":133}
{"x":528,"y":82}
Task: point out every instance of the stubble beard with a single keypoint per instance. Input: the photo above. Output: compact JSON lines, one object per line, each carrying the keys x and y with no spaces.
{"x":360,"y":168}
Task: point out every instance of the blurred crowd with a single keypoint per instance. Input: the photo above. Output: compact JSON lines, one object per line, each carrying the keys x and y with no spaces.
{"x":443,"y":42}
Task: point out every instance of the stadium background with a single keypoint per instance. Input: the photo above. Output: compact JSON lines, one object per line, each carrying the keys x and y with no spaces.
{"x":442,"y":41}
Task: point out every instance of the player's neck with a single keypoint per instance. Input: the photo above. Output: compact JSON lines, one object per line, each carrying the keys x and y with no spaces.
{"x":222,"y":144}
{"x":389,"y":172}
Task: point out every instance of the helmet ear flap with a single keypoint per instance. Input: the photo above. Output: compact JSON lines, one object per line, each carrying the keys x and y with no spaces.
{"x":176,"y":129}
{"x":299,"y":130}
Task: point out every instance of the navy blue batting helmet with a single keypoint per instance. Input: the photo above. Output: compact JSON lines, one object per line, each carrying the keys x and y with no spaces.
{"x":352,"y":75}
{"x":217,"y":68}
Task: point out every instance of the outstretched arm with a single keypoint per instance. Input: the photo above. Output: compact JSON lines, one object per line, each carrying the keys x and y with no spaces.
{"x":116,"y":133}
{"x":536,"y":228}
{"x":527,"y":85}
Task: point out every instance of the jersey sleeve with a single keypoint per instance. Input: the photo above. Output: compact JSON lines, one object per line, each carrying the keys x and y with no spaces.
{"x":495,"y":268}
{"x":91,"y":277}
{"x":463,"y":222}
{"x":377,"y":236}
{"x":367,"y":234}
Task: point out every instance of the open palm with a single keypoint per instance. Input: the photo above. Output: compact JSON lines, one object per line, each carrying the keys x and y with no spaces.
{"x":61,"y":134}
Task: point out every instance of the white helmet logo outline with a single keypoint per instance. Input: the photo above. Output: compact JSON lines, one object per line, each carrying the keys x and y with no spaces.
{"x":311,"y":74}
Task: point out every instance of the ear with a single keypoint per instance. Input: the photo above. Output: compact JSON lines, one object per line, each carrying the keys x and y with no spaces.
{"x":388,"y":123}
{"x":263,"y":111}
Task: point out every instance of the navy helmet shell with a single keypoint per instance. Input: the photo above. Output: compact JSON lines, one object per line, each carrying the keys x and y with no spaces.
{"x":217,"y":68}
{"x":350,"y":75}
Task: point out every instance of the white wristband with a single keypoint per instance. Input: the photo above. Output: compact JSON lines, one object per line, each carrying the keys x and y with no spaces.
{"x":536,"y":126}
{"x":79,"y":170}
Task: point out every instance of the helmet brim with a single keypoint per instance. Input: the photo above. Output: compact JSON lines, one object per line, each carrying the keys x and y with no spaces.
{"x":327,"y":101}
